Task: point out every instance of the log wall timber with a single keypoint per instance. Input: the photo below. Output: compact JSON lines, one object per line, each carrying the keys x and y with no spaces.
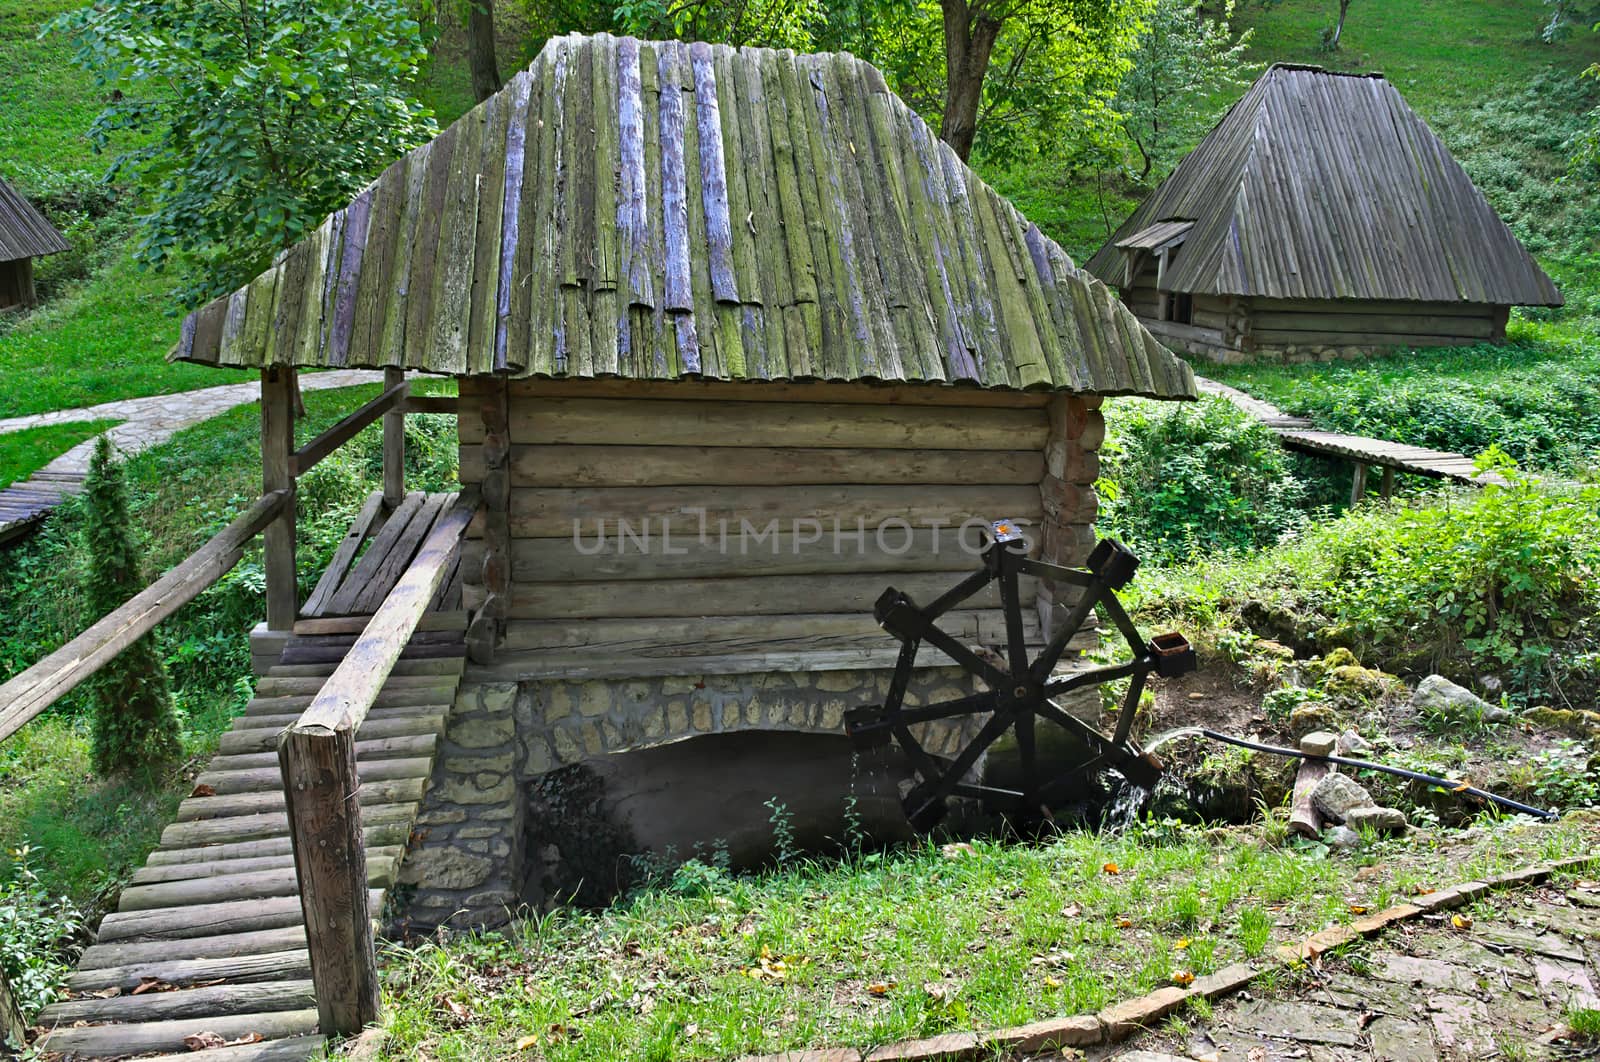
{"x":750,"y":524}
{"x":1072,"y":464}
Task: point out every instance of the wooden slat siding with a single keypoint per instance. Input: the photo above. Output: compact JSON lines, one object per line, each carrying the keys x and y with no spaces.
{"x":552,"y":512}
{"x":24,"y":696}
{"x":802,"y":391}
{"x":772,"y":217}
{"x":765,"y":595}
{"x":662,"y":466}
{"x":579,"y":421}
{"x":1327,"y":185}
{"x":895,"y":548}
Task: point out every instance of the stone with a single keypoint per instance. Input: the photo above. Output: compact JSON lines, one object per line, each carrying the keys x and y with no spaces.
{"x":446,"y":867}
{"x":1319,"y":743}
{"x":1226,"y":980}
{"x":1338,"y":794}
{"x":502,"y":789}
{"x":1122,"y":1020}
{"x":1351,"y":743}
{"x":1050,"y":1034}
{"x":926,"y":1050}
{"x":1427,"y":973}
{"x":1381,"y":819}
{"x":497,"y":696}
{"x":1312,"y":716}
{"x":1341,"y":837}
{"x":1438,"y":696}
{"x":702,"y":717}
{"x":499,"y":763}
{"x":1574,"y":721}
{"x":594,"y":699}
{"x":483,"y":733}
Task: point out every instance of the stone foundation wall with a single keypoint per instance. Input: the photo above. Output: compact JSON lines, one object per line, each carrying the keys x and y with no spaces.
{"x":466,"y":863}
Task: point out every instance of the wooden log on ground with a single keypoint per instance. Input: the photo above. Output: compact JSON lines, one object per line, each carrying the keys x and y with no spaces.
{"x":234,"y":969}
{"x":1303,"y":817}
{"x":28,"y":694}
{"x":116,"y":1041}
{"x":153,"y":875}
{"x":206,"y":1003}
{"x":108,"y":955}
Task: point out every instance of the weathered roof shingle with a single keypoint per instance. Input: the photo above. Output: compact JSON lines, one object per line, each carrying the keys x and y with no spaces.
{"x":1318,"y":185}
{"x":659,"y":210}
{"x":24,"y":232}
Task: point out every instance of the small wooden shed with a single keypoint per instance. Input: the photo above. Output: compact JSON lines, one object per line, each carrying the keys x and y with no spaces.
{"x":24,"y":236}
{"x":739,"y":342}
{"x":1321,"y":218}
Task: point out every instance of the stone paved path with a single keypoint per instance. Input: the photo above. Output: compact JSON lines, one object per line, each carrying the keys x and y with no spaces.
{"x":146,"y":422}
{"x":1427,"y":991}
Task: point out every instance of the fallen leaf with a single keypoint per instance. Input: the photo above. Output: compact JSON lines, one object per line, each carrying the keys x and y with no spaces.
{"x":1461,"y":921}
{"x":1124,"y":923}
{"x":1257,"y":1054}
{"x":880,"y":988}
{"x":692,"y":1030}
{"x":940,"y":990}
{"x":1183,"y":942}
{"x":1051,"y":982}
{"x":152,"y":984}
{"x":1182,"y":977}
{"x":1071,"y":910}
{"x":108,"y":993}
{"x":527,"y":1042}
{"x":203,"y":791}
{"x":957,"y":850}
{"x":1462,"y":788}
{"x":1357,"y":909}
{"x":1111,"y":868}
{"x":201,"y":1041}
{"x":458,"y":1009}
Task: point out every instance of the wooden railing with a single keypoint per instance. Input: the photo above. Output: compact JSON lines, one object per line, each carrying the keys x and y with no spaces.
{"x":321,"y":783}
{"x":28,"y":694}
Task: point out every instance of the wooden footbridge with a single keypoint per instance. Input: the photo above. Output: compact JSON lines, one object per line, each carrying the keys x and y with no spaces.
{"x":1296,"y":433}
{"x":248,"y":934}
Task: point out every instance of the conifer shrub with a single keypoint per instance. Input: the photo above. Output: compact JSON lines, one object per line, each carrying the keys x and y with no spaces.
{"x":133,"y":727}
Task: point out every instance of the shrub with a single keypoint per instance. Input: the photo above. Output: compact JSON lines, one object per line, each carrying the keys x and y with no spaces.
{"x":35,"y":930}
{"x":133,"y":724}
{"x":1180,"y":480}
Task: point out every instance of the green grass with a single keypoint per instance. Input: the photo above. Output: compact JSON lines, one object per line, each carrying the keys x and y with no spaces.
{"x":1440,"y":54}
{"x":908,"y":944}
{"x":46,"y":103}
{"x":23,"y":453}
{"x":1533,"y":397}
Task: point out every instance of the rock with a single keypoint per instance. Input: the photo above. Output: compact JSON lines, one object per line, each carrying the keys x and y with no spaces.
{"x":1356,"y":684}
{"x":1491,"y":684}
{"x":1312,"y":716}
{"x":1494,"y":715}
{"x":1574,"y":721}
{"x":1352,"y":744}
{"x":1337,"y":794}
{"x":1276,"y":650}
{"x":1438,"y":696}
{"x":1318,"y":742}
{"x":1384,"y":820}
{"x":1342,"y":837}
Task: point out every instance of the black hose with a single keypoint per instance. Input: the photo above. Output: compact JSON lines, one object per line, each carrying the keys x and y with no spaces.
{"x":1459,"y":788}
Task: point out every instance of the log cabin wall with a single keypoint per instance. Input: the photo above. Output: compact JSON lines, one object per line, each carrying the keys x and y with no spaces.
{"x":16,"y":284}
{"x":814,"y":498}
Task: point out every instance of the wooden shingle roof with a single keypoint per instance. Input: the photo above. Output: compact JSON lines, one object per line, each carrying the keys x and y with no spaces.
{"x":1318,"y":185}
{"x":24,"y":232}
{"x":662,"y":210}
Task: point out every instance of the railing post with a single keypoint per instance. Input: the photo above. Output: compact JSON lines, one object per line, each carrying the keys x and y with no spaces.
{"x":320,"y":788}
{"x":13,"y":1030}
{"x":277,"y":473}
{"x":394,"y":443}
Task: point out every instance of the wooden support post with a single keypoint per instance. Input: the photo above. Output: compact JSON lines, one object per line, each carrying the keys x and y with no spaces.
{"x":1358,"y":488}
{"x":13,"y":1030}
{"x":1067,"y":491}
{"x":1388,"y":483}
{"x":394,"y":443}
{"x":277,"y":473}
{"x":330,"y":853}
{"x":483,"y":634}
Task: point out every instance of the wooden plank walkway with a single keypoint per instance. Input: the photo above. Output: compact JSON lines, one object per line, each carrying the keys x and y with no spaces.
{"x":1296,"y":433}
{"x":206,"y":955}
{"x":24,"y":504}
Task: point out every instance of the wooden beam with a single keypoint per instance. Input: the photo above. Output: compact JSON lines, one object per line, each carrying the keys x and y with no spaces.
{"x":448,"y":404}
{"x":394,"y":438}
{"x":13,"y":1030}
{"x":28,"y":694}
{"x":314,"y":451}
{"x":1358,"y":487}
{"x":277,"y":473}
{"x":317,"y":757}
{"x":1388,"y":483}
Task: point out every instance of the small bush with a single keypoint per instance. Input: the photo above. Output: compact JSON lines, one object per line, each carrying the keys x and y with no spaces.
{"x":1182,"y":480}
{"x":35,"y":931}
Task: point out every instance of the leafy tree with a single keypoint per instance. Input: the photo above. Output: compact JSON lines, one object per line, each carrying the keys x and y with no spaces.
{"x":1182,"y":60}
{"x":256,"y":117}
{"x":1005,"y":75}
{"x":769,"y":23}
{"x":133,"y":727}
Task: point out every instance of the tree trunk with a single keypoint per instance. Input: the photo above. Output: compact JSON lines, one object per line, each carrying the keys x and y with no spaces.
{"x":480,"y":49}
{"x":1338,"y":30}
{"x":968,"y":41}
